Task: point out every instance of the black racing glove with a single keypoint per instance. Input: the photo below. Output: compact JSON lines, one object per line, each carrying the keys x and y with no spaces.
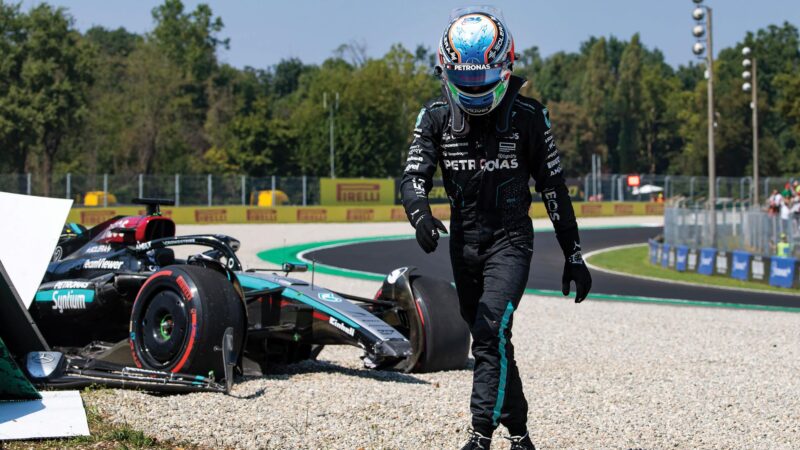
{"x":575,"y":270}
{"x":428,"y":228}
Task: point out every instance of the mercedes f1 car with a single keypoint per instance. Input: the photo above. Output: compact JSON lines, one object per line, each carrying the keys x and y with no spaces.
{"x":118,"y":300}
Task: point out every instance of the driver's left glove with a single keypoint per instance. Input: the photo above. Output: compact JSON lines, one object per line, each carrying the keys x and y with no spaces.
{"x":428,"y":229}
{"x":575,"y":270}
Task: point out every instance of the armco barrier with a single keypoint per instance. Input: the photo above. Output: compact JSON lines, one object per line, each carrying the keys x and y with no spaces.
{"x":313,"y":214}
{"x":745,"y":266}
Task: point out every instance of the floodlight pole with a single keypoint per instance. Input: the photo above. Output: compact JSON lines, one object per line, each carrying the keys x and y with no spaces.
{"x":333,"y":106}
{"x":712,"y":173}
{"x":755,"y":134}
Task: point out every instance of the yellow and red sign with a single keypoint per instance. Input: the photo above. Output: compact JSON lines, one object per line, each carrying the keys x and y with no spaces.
{"x":356,"y":191}
{"x":319,"y":214}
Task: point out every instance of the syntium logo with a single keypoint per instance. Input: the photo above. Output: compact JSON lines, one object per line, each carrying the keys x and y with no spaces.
{"x":66,"y":298}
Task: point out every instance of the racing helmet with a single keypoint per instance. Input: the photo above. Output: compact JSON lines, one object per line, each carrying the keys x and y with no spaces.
{"x":476,"y":54}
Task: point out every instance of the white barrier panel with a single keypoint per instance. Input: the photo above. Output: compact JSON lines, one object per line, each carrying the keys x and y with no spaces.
{"x":29,"y":230}
{"x":57,"y":414}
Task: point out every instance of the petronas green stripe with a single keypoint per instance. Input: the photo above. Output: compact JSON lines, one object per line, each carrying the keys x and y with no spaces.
{"x":501,"y":387}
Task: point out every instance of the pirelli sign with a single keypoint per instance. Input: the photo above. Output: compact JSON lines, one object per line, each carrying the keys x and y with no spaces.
{"x":357,"y":191}
{"x":334,"y":213}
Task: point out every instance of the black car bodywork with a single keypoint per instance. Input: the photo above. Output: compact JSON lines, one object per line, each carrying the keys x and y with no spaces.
{"x":117,"y":293}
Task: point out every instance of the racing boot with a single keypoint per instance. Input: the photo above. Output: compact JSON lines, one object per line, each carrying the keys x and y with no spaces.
{"x":477,"y":441}
{"x":521,"y":442}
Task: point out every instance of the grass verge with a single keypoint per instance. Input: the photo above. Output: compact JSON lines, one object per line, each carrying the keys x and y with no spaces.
{"x":635,"y":261}
{"x":104,"y":436}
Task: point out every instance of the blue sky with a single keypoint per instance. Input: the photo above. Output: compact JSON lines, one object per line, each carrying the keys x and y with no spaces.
{"x":264,"y":32}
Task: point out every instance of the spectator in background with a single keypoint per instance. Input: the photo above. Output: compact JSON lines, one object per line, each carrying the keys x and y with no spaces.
{"x":775,"y":200}
{"x":784,"y":248}
{"x":787,"y":190}
{"x":795,"y":210}
{"x":796,"y":187}
{"x":785,"y":213}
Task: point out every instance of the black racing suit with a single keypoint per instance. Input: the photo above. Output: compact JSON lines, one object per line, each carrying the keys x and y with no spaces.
{"x":487,"y":162}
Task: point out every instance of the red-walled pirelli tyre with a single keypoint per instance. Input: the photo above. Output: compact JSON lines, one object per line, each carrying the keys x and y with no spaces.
{"x":445,"y":337}
{"x":179,"y":318}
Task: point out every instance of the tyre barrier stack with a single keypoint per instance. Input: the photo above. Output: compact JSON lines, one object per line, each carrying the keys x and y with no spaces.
{"x":738,"y":264}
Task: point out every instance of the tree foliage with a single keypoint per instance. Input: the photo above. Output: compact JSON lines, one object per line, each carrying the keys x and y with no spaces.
{"x":112,"y":101}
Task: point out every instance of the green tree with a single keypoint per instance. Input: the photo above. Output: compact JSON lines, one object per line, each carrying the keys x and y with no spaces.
{"x":190,"y":40}
{"x":573,"y":131}
{"x":595,"y":87}
{"x":154,"y":131}
{"x":658,"y":122}
{"x":286,"y":76}
{"x":628,"y":100}
{"x":47,"y":75}
{"x":98,"y":147}
{"x":17,"y":133}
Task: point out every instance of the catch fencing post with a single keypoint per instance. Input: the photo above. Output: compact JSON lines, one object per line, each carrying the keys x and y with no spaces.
{"x":741,"y":185}
{"x":105,"y":190}
{"x":177,"y":189}
{"x":691,"y":187}
{"x":613,"y":186}
{"x":273,"y":190}
{"x":28,"y":181}
{"x":141,"y":186}
{"x":69,"y":185}
{"x":667,"y":186}
{"x":586,"y":186}
{"x":305,"y":181}
{"x":210,"y":187}
{"x":243,"y":188}
{"x":598,"y":182}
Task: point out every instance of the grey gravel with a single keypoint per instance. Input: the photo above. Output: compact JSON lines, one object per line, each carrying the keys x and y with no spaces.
{"x":597,"y":375}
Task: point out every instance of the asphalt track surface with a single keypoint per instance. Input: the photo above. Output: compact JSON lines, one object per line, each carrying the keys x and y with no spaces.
{"x":546,"y":269}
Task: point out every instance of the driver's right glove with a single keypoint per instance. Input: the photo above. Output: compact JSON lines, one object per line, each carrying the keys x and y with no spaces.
{"x":428,"y":228}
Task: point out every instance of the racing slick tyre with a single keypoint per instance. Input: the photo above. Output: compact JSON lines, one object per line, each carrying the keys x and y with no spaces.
{"x":445,"y":337}
{"x":179,"y":318}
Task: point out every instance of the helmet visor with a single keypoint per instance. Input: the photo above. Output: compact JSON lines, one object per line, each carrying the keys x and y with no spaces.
{"x":468,"y":75}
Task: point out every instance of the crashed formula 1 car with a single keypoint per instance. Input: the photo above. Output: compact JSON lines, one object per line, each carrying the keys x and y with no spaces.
{"x":126,"y":311}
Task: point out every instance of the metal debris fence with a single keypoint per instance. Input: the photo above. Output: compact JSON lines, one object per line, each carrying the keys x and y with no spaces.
{"x":211,"y":189}
{"x":739,"y":227}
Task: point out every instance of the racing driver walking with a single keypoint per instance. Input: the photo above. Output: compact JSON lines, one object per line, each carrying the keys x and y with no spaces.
{"x":489,"y":141}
